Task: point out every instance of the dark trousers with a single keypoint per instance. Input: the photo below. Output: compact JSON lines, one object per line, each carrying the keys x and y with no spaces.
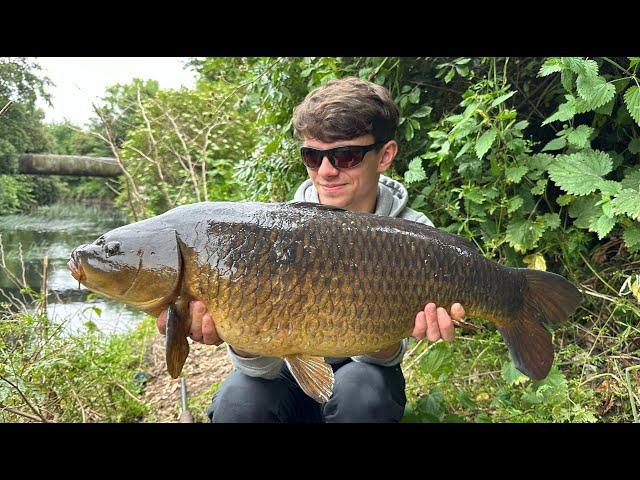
{"x":362,"y":392}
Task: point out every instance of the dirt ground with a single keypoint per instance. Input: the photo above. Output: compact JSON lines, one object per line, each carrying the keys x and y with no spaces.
{"x":206,"y":366}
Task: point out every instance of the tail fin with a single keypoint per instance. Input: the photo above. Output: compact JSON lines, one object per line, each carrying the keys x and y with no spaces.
{"x":548,"y":299}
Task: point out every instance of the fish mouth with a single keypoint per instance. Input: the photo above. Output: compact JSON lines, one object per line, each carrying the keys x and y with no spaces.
{"x":75,"y":268}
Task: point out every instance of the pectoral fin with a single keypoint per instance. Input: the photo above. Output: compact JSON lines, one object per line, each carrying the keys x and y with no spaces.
{"x":177,"y":346}
{"x":313,"y":374}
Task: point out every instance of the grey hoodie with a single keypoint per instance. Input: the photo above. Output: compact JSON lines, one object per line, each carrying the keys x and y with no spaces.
{"x":391,"y":202}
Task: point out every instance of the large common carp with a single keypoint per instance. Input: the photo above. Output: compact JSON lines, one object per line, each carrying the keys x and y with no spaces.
{"x":304,"y":281}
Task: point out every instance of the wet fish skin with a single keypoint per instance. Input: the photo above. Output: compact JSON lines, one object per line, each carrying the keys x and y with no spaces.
{"x":334,"y":283}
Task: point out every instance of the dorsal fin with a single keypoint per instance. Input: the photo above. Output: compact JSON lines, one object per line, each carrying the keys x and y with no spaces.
{"x":315,"y":205}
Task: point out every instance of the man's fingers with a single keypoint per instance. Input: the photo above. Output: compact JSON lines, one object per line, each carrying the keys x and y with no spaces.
{"x":161,"y":322}
{"x":196,"y":312}
{"x":420,"y":328}
{"x":209,"y":333}
{"x":433,"y":330}
{"x":445,"y":325}
{"x":457,"y":311}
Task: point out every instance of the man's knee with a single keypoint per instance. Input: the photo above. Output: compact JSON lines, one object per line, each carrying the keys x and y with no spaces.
{"x":366,"y":393}
{"x":242,"y":398}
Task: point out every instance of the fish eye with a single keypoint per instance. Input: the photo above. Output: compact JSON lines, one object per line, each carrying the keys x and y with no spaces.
{"x":112,"y":248}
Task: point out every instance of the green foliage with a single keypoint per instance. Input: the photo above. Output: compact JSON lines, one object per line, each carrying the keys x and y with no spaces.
{"x":632,"y":100}
{"x":60,"y":376}
{"x":580,"y":173}
{"x":22,"y":131}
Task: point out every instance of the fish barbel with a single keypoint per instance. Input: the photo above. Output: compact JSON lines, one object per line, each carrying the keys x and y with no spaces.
{"x":303,"y":281}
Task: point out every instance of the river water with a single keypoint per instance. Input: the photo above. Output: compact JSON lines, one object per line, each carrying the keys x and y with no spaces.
{"x":54,"y":232}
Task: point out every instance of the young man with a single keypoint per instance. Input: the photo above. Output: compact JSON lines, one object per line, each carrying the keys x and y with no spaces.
{"x":346,"y":128}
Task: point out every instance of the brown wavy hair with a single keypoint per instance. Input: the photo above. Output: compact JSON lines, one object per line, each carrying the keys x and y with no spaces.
{"x":344,"y":109}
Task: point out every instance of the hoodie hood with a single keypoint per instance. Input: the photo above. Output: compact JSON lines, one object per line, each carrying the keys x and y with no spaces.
{"x":392,"y":196}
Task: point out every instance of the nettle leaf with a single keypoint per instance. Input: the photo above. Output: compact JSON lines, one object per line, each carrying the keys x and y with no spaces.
{"x":609,"y":188}
{"x":564,"y":200}
{"x":627,"y":202}
{"x":602,"y":225}
{"x":514,"y":203}
{"x":607,"y":108}
{"x":632,"y":100}
{"x":555,"y":144}
{"x":580,"y":136}
{"x":416,"y":172}
{"x":512,"y":375}
{"x":474,"y":194}
{"x":595,"y":91}
{"x":483,"y":144}
{"x":541,"y":161}
{"x":566,"y":111}
{"x":567,"y":77}
{"x":523,"y":234}
{"x":515,"y":174}
{"x":438,"y":360}
{"x":431,"y":406}
{"x":631,"y":237}
{"x":550,"y":65}
{"x":540,"y":187}
{"x":585,"y":210}
{"x":580,"y":172}
{"x":634,"y":146}
{"x":551,"y":221}
{"x":581,"y":66}
{"x":631,"y":179}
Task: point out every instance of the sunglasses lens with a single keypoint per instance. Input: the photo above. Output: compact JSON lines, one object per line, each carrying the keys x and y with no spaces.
{"x":348,"y":157}
{"x":311,"y":158}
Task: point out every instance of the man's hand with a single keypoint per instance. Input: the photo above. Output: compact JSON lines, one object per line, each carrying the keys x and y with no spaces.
{"x":432,"y":322}
{"x":435,"y":323}
{"x":202,"y":329}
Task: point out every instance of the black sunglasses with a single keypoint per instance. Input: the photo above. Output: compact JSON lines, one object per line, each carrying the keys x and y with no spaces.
{"x":340,"y":157}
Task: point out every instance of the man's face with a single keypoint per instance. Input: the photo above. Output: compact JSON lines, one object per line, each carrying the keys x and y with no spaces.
{"x":351,"y":188}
